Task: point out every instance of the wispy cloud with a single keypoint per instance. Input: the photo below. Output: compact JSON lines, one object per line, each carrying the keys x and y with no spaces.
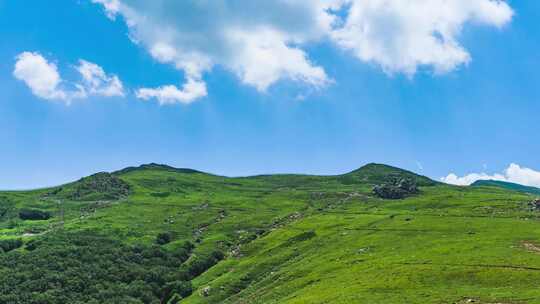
{"x":170,"y":94}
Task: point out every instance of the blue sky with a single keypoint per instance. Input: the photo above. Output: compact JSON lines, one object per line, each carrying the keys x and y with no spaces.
{"x":328,"y":111}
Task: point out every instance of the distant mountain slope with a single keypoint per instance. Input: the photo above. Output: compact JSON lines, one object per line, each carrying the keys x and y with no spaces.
{"x":507,"y":185}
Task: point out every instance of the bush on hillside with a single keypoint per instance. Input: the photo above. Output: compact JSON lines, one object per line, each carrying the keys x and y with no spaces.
{"x":5,"y":206}
{"x":34,"y":215}
{"x":3,"y":211}
{"x":199,"y":264}
{"x":164,"y":238}
{"x":10,"y":244}
{"x":31,"y":245}
{"x":177,"y":290}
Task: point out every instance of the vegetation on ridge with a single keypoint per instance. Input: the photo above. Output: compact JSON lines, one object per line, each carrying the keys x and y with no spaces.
{"x":100,"y":186}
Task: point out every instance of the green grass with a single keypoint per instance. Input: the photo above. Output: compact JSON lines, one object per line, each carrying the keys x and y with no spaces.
{"x":315,"y":239}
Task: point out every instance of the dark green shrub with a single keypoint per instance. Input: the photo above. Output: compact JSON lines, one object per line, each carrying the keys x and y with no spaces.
{"x":34,"y":215}
{"x":200,"y":264}
{"x":160,"y":194}
{"x":6,"y":205}
{"x":164,"y":238}
{"x":10,"y":244}
{"x":304,"y":236}
{"x":31,"y":245}
{"x":180,"y":288}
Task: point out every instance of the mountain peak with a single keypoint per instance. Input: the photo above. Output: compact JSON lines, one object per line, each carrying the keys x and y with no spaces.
{"x":156,"y":166}
{"x":376,"y":173}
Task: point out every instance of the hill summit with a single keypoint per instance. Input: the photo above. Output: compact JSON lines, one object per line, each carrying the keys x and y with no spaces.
{"x":378,"y":173}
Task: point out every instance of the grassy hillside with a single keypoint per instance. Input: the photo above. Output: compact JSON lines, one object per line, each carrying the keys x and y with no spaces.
{"x":156,"y":234}
{"x":507,"y":185}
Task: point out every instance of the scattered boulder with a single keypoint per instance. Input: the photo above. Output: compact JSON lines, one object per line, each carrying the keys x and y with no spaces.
{"x":535,"y":205}
{"x":363,"y":250}
{"x":205,"y":292}
{"x":396,"y":187}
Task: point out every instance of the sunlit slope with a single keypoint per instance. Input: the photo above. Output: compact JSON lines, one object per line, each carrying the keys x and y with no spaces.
{"x":446,"y":246}
{"x":285,"y":238}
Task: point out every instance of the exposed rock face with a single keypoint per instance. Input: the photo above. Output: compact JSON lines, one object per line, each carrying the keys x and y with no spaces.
{"x":396,"y":187}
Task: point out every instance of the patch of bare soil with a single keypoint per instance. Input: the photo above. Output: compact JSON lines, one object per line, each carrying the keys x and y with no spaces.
{"x":530,"y":246}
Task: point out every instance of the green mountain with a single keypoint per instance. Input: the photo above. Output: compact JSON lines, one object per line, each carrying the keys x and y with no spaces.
{"x":507,"y":185}
{"x":157,"y":234}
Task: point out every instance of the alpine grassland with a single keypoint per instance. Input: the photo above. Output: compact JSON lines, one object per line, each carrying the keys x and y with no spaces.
{"x":157,"y":234}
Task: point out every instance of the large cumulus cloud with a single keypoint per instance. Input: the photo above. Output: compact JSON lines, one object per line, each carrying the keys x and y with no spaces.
{"x":264,"y":41}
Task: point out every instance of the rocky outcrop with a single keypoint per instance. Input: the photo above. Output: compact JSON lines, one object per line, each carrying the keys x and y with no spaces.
{"x":396,"y":187}
{"x":535,"y":205}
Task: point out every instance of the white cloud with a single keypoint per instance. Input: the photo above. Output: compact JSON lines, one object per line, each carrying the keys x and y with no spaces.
{"x":39,"y":75}
{"x":402,"y":36}
{"x":522,"y":175}
{"x":44,"y":80}
{"x":264,"y":58}
{"x":514,"y":174}
{"x":259,"y":41}
{"x":470,"y":178}
{"x":170,"y":94}
{"x":264,"y":41}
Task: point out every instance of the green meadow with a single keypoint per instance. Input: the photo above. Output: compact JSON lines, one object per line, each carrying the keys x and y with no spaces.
{"x":156,"y":234}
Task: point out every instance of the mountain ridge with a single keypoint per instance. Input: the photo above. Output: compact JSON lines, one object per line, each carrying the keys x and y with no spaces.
{"x":507,"y":185}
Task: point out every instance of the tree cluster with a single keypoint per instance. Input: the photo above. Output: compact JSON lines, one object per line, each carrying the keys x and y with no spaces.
{"x":10,"y":244}
{"x":78,"y":268}
{"x":164,"y":238}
